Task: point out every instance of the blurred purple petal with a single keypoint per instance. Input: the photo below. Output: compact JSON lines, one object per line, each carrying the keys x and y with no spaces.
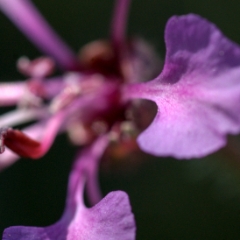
{"x":29,"y":20}
{"x":198,"y":91}
{"x":110,"y":219}
{"x":119,"y":21}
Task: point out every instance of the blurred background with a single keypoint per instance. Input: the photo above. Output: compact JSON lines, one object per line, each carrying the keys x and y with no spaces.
{"x":171,"y":200}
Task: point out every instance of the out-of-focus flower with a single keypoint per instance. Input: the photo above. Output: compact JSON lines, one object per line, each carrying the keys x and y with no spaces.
{"x":111,"y":218}
{"x":197,"y":92}
{"x":86,"y":101}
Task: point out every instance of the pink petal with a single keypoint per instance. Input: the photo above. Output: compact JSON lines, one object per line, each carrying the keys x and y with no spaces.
{"x":198,"y":91}
{"x":29,"y":20}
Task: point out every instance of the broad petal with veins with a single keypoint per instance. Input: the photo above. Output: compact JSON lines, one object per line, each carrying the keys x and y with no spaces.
{"x":197,"y":93}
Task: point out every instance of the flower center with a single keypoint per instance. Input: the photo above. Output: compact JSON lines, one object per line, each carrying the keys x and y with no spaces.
{"x":100,"y":57}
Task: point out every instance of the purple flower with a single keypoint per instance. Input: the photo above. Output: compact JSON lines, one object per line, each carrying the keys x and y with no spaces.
{"x":197,"y":94}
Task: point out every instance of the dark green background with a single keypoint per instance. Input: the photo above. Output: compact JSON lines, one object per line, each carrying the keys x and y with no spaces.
{"x":186,"y":200}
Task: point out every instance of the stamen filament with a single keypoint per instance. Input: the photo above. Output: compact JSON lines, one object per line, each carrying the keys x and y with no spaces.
{"x":118,"y":27}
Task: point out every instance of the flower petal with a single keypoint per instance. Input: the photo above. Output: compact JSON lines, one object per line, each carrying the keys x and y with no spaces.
{"x":110,"y":219}
{"x":30,"y":21}
{"x":198,"y":91}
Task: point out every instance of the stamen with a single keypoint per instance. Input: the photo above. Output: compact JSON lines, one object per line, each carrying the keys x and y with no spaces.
{"x":18,"y":142}
{"x":37,"y":68}
{"x":3,"y":132}
{"x":21,"y":116}
{"x":119,"y":21}
{"x":25,"y":146}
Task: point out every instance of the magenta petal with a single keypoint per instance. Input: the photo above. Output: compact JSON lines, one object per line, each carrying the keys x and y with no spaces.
{"x":198,"y":91}
{"x":110,"y":219}
{"x":29,"y":20}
